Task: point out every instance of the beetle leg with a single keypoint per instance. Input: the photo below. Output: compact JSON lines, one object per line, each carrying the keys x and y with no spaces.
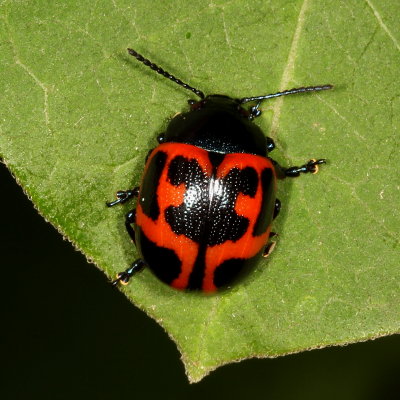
{"x":123,"y":196}
{"x":311,"y":166}
{"x":270,"y":144}
{"x":254,"y":111}
{"x":130,"y":219}
{"x":161,"y":138}
{"x":277,"y":208}
{"x":270,"y":246}
{"x":280,"y":172}
{"x":268,"y":249}
{"x":125,"y":276}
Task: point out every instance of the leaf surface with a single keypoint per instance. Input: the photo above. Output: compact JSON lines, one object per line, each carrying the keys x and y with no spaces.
{"x":78,"y":116}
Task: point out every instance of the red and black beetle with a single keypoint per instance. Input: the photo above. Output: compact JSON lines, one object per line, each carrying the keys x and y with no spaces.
{"x":208,"y":193}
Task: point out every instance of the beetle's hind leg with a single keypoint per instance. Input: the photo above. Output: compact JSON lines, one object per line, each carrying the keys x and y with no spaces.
{"x":268,"y":249}
{"x":125,"y":276}
{"x":270,"y":245}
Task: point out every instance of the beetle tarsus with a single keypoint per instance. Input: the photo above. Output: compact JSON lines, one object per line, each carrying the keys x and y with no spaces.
{"x":311,"y":166}
{"x":124,"y":277}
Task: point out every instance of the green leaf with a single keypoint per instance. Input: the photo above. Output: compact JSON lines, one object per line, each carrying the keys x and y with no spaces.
{"x":78,"y":116}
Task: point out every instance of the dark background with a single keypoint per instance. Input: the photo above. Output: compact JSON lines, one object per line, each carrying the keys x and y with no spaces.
{"x":61,"y":315}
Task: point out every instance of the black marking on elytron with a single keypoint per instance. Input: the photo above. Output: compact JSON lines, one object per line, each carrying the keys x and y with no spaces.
{"x":223,"y":221}
{"x":267,"y":203}
{"x":188,"y":218}
{"x":198,"y":271}
{"x":232,"y":270}
{"x":207,"y":214}
{"x":215,"y":159}
{"x":148,"y":194}
{"x":249,"y":181}
{"x":164,"y":262}
{"x":181,"y":170}
{"x":227,"y":272}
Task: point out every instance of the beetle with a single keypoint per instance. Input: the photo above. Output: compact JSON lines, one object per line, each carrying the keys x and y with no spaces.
{"x":208,"y":193}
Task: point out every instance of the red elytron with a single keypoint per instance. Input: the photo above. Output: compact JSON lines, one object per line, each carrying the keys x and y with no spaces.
{"x":212,"y":218}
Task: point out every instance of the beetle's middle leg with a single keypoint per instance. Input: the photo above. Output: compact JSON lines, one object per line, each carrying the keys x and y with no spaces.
{"x":122,"y":197}
{"x":312,"y":167}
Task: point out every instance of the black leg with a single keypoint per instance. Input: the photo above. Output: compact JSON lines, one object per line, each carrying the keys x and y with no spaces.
{"x":125,"y":276}
{"x":130,"y":219}
{"x":270,"y":144}
{"x":254,"y":111}
{"x":311,"y":166}
{"x":277,"y":208}
{"x":161,"y":138}
{"x":123,"y":196}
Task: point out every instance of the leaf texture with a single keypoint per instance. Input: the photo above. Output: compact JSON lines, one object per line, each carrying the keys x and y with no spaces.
{"x":78,"y":116}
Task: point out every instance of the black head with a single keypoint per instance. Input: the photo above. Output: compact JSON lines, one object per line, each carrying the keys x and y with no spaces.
{"x":221,"y":102}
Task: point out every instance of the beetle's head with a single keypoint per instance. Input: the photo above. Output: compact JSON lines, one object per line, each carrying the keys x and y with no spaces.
{"x":220,"y":102}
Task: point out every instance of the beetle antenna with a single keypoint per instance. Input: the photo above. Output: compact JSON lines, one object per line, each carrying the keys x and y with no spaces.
{"x":166,"y":74}
{"x":286,"y":92}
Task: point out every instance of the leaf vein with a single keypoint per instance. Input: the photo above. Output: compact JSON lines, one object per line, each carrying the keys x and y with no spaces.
{"x":287,"y":74}
{"x":18,"y":61}
{"x":382,"y":24}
